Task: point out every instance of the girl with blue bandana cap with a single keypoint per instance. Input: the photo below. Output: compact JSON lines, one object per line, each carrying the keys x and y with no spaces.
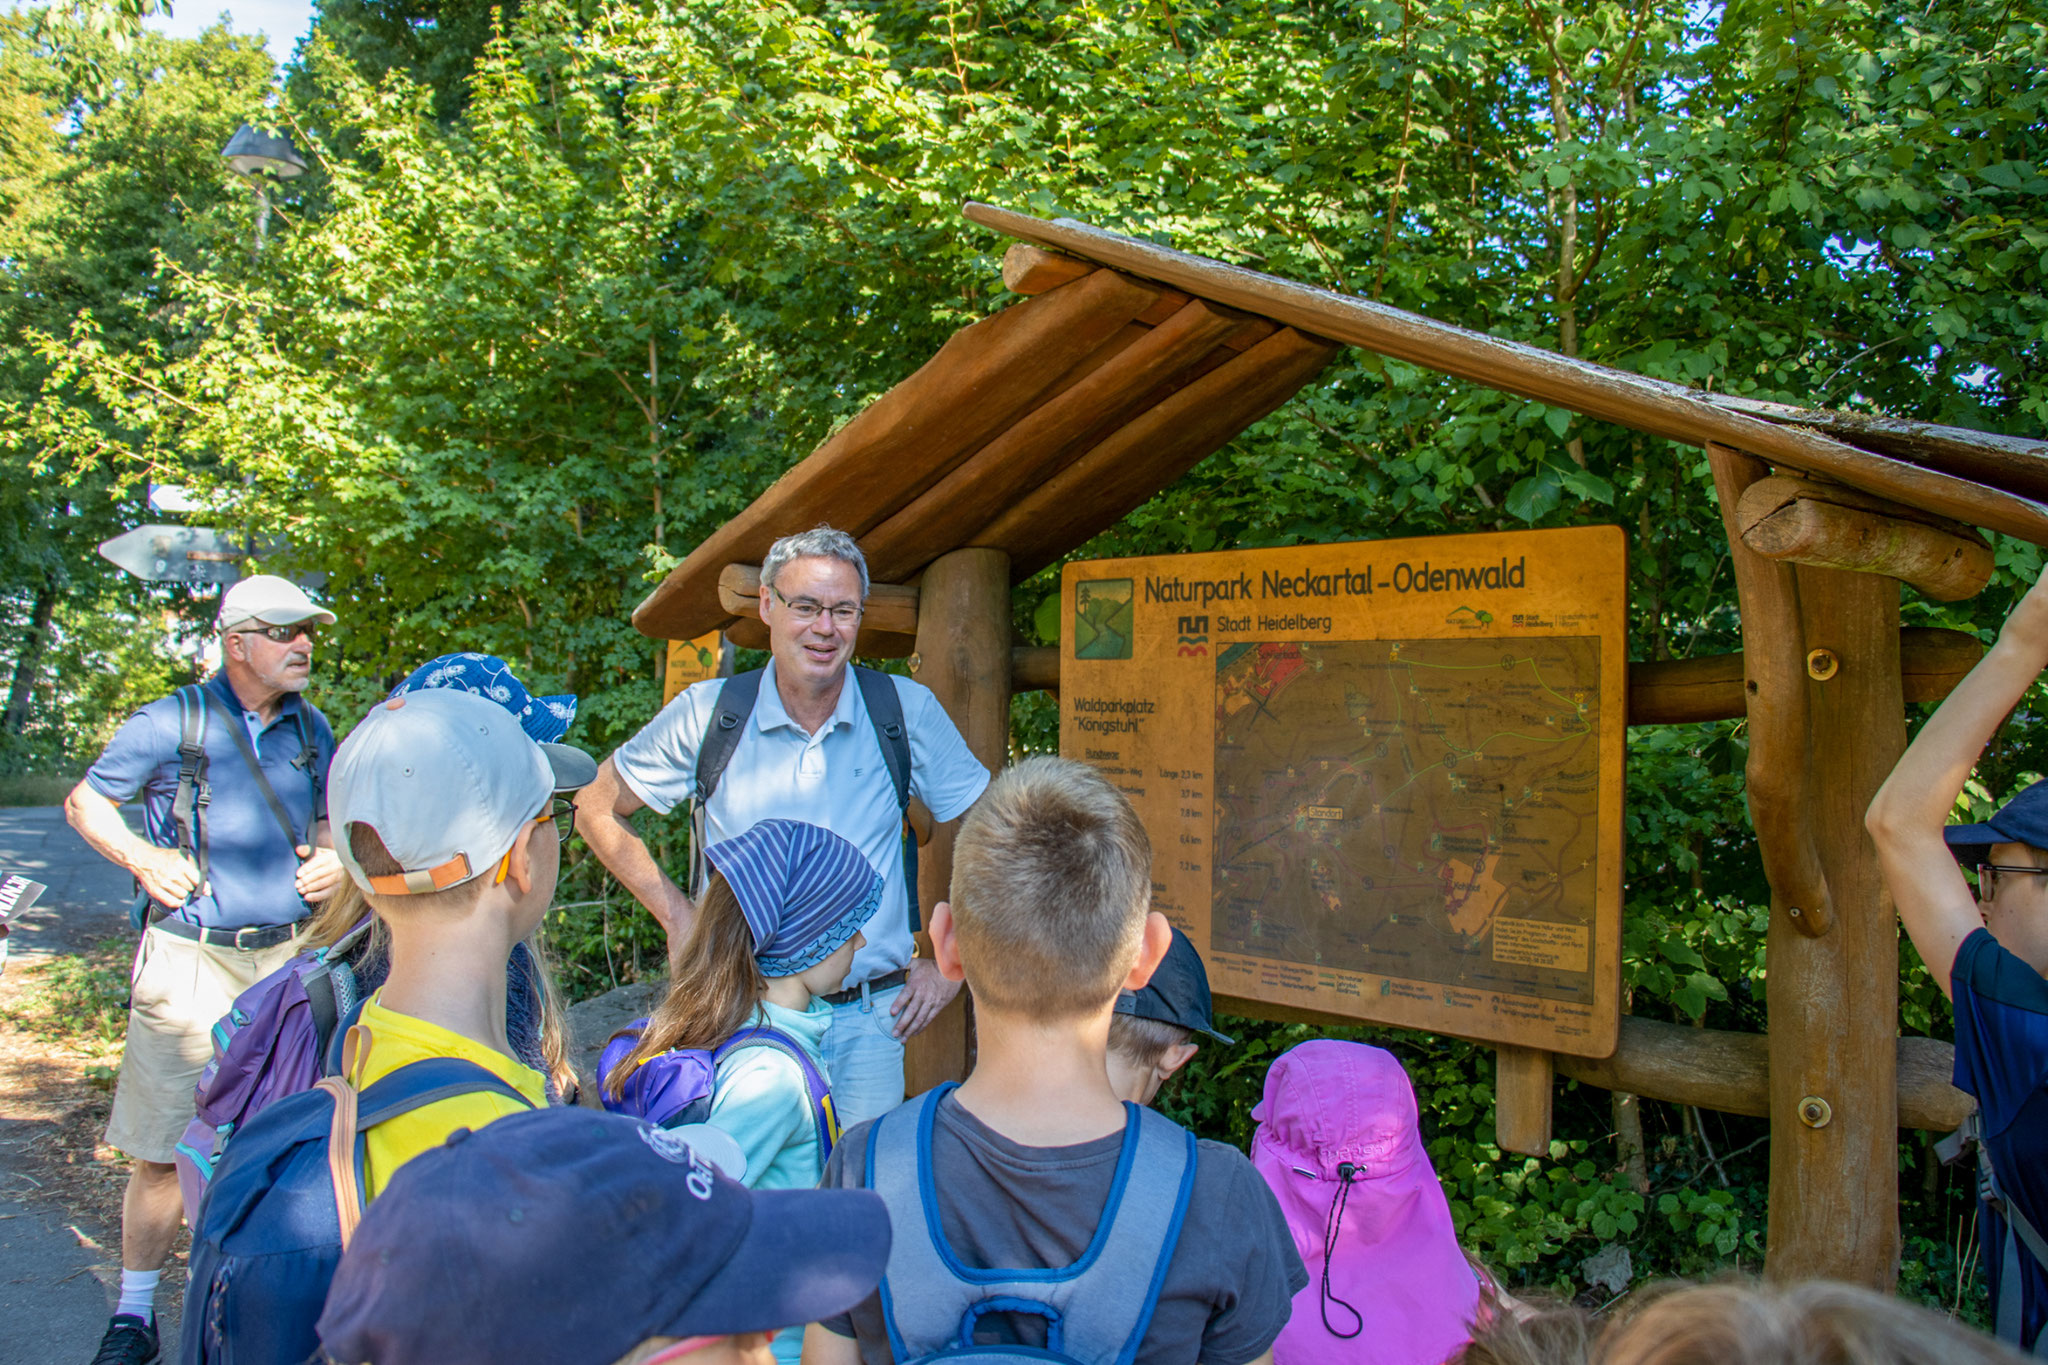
{"x":777,"y":927}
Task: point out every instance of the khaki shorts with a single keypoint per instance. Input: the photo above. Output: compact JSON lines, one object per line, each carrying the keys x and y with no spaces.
{"x":181,"y":989}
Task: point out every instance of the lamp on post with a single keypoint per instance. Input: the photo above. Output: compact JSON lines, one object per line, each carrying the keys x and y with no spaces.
{"x":257,"y":154}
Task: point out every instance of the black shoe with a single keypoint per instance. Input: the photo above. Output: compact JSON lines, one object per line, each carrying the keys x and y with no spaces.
{"x":129,"y":1341}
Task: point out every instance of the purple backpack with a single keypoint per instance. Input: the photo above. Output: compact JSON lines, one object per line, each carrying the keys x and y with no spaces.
{"x":675,"y":1087}
{"x":271,"y":1043}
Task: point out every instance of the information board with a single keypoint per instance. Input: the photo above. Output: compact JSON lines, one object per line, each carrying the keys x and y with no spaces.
{"x":1382,"y":779}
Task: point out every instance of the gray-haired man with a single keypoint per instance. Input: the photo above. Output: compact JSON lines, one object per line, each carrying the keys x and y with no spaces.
{"x":808,"y":750}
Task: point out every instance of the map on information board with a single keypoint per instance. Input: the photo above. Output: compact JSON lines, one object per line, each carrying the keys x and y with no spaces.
{"x":1382,"y":780}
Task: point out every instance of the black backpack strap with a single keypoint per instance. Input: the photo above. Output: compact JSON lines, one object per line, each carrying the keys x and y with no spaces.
{"x":736,"y":697}
{"x":240,"y":732}
{"x":885,"y":711}
{"x":188,"y":806}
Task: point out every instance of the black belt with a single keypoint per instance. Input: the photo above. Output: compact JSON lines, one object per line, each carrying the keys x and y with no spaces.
{"x":880,"y":983}
{"x":250,"y":938}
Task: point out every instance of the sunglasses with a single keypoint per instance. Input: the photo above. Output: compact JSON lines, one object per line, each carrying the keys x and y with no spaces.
{"x":284,"y":635}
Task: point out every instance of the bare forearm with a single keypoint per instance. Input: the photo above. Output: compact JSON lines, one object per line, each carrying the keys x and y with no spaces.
{"x":98,"y":821}
{"x":1915,"y":800}
{"x":620,"y":848}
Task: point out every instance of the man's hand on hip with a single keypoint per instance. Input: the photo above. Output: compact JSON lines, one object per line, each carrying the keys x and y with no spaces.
{"x":925,"y":992}
{"x":167,"y":875}
{"x":319,"y":874}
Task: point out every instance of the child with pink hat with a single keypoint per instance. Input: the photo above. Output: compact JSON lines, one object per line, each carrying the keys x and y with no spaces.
{"x":1339,"y":1144}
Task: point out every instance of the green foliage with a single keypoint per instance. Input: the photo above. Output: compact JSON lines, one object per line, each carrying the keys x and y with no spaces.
{"x":555,"y":305}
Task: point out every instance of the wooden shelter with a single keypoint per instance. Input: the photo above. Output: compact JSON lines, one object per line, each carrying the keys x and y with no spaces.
{"x":1126,"y":363}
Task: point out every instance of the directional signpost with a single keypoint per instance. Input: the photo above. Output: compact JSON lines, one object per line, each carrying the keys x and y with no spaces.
{"x":178,"y":554}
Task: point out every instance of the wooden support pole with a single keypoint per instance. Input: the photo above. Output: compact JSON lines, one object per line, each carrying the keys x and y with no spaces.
{"x":1522,"y":1090}
{"x":963,"y":656}
{"x":1833,"y":527}
{"x":1833,"y":1001}
{"x":1779,"y":772}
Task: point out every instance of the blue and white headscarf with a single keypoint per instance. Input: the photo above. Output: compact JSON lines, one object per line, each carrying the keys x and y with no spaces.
{"x":804,"y":891}
{"x":544,"y":719}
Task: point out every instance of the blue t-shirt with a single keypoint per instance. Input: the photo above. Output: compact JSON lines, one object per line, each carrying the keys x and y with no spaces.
{"x":2002,"y":1059}
{"x":251,"y":863}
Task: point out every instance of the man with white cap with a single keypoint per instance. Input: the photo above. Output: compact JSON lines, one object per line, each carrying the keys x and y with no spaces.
{"x":232,"y":777}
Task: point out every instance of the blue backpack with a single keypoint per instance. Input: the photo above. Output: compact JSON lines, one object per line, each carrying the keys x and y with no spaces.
{"x":1096,"y":1310}
{"x":675,"y":1088}
{"x":282,"y":1205}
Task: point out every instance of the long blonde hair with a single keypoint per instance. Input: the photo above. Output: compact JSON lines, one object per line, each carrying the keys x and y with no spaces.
{"x":715,"y":985}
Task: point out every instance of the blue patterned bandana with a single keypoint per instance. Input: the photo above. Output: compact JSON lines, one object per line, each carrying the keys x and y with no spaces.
{"x":545,"y":719}
{"x":804,"y":891}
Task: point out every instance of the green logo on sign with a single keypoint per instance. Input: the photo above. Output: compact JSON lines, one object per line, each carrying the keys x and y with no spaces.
{"x":1102,"y":618}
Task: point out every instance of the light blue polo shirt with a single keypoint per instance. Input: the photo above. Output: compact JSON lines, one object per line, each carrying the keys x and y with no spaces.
{"x":836,"y":778}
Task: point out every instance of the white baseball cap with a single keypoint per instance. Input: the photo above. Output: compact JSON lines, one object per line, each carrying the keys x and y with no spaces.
{"x":272,"y":600}
{"x":446,"y":779}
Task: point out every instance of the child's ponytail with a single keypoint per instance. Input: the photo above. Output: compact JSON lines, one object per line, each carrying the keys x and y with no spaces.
{"x":714,"y":985}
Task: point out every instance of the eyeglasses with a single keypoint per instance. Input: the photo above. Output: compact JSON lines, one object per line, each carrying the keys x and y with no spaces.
{"x":1987,"y":876}
{"x":284,"y":635}
{"x":807,"y":611}
{"x":561,"y":810}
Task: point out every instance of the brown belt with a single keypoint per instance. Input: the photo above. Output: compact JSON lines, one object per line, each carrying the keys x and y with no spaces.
{"x":880,"y":983}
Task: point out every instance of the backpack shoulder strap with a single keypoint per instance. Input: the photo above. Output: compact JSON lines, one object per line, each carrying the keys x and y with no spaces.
{"x":2008,"y":1313}
{"x":817,"y":1090}
{"x":189,"y":804}
{"x":418,"y":1084}
{"x":736,"y":697}
{"x":1097,"y":1309}
{"x":735,"y":703}
{"x":922,"y":1299}
{"x":885,"y":711}
{"x":240,"y":734}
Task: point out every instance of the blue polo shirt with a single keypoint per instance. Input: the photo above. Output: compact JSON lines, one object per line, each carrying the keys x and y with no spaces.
{"x":252,"y":864}
{"x":2002,"y":1059}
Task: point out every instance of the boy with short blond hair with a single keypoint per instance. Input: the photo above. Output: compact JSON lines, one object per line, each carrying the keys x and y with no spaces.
{"x":1055,"y":1202}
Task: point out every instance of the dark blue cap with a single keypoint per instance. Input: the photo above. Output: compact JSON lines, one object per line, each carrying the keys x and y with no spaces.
{"x":572,"y":1236}
{"x":1178,"y":992}
{"x":2022,"y":820}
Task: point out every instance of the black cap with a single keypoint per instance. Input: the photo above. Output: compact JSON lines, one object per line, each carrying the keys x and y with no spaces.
{"x":2022,"y":820}
{"x":1178,"y":992}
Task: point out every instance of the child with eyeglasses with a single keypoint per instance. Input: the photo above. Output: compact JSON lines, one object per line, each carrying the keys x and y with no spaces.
{"x":1988,"y":951}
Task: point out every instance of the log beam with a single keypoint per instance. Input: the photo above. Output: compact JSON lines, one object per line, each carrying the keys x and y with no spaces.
{"x":963,"y":656}
{"x":1031,"y":270}
{"x":1833,"y":527}
{"x":891,"y":607}
{"x":1731,"y":1072}
{"x":1685,"y":691}
{"x":1707,"y":1068}
{"x":1035,"y":668}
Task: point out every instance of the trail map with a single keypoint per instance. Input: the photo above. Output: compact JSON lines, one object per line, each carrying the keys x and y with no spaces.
{"x":1382,"y":780}
{"x":1421,"y":809}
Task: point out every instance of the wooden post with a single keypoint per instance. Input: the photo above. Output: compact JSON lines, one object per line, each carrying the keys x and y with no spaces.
{"x":1522,"y":1088}
{"x":1834,"y":1000}
{"x":1826,"y":719}
{"x":963,"y":656}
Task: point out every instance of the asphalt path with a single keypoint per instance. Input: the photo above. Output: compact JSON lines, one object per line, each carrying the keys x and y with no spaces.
{"x":57,"y":1278}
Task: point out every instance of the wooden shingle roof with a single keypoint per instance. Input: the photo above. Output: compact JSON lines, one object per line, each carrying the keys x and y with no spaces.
{"x":1036,"y":429}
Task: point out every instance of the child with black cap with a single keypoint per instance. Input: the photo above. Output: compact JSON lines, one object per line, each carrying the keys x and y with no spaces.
{"x":1151,"y":1033}
{"x":1988,"y":951}
{"x":581,"y":1238}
